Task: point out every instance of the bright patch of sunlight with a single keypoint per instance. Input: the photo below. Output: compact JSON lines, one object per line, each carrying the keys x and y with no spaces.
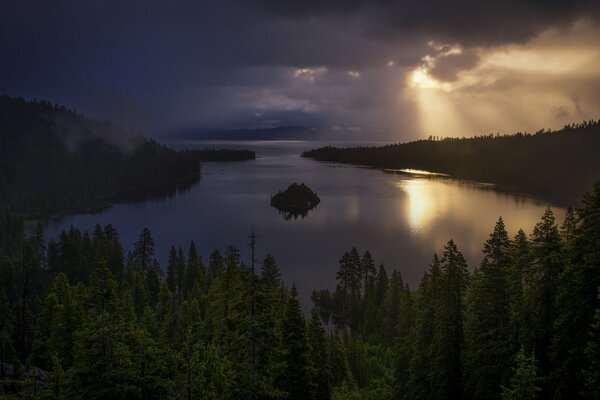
{"x":421,"y":79}
{"x":424,"y":202}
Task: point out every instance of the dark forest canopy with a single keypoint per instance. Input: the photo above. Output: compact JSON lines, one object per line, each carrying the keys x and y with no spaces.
{"x":82,"y":319}
{"x":559,"y":165}
{"x":55,"y":160}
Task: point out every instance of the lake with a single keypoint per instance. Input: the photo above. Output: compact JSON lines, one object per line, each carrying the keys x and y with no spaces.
{"x":401,"y":218}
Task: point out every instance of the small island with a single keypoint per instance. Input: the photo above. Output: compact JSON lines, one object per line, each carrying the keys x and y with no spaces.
{"x":296,"y":201}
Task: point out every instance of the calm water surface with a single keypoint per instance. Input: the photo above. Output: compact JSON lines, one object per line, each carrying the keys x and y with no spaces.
{"x":402,"y":219}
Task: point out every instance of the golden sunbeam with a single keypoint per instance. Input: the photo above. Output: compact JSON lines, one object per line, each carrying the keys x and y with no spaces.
{"x":421,"y":79}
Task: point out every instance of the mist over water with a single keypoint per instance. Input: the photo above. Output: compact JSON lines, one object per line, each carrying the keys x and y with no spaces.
{"x":401,"y":218}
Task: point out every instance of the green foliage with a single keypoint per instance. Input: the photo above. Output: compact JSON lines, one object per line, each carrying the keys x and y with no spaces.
{"x":295,"y":377}
{"x":592,"y":352}
{"x":524,"y":381}
{"x":320,"y":367}
{"x":488,"y":352}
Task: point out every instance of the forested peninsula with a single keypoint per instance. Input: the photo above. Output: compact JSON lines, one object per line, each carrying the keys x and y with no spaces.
{"x":55,"y":160}
{"x":557,"y":165}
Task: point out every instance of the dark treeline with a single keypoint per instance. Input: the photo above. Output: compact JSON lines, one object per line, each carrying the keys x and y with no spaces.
{"x":560,"y":165}
{"x":54,"y":160}
{"x":82,"y":319}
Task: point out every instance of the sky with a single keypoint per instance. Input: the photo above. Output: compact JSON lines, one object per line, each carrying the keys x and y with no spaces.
{"x":362,"y":70}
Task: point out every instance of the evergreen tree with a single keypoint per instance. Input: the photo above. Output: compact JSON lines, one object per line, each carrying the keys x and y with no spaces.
{"x":321,"y":370}
{"x":368,"y":272}
{"x":269,"y":310}
{"x":448,"y":337}
{"x":420,"y":384}
{"x":576,"y":300}
{"x":172,"y":270}
{"x":381,"y":285}
{"x":404,"y":344}
{"x":340,"y":368}
{"x":345,"y":281}
{"x":488,"y":346}
{"x":103,"y":366}
{"x":524,"y":382}
{"x":391,"y":306}
{"x":143,"y":250}
{"x":295,"y":377}
{"x":519,"y":271}
{"x":153,"y":283}
{"x":180,"y":275}
{"x":194,"y":275}
{"x":541,"y":289}
{"x":592,"y":371}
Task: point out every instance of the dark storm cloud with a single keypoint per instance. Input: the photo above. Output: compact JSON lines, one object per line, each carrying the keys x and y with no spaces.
{"x":447,"y":66}
{"x":162,"y":65}
{"x":469,"y":22}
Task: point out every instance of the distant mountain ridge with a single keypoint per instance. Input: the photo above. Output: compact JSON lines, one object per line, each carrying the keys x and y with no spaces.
{"x":293,"y":132}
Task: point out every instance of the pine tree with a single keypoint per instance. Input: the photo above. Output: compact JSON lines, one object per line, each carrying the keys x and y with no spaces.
{"x":140,"y":293}
{"x":172,"y":270}
{"x":524,"y":382}
{"x":295,"y":376}
{"x":368,"y":273}
{"x":421,"y":361}
{"x":356,"y":274}
{"x":569,"y":225}
{"x":48,"y":318}
{"x":488,"y":346}
{"x":180,"y":275}
{"x":392,"y":306}
{"x":115,"y":254}
{"x":216,"y":265}
{"x":592,"y":352}
{"x":103,"y":366}
{"x":381,"y":285}
{"x":541,"y":289}
{"x":519,"y":271}
{"x":576,"y":299}
{"x":338,"y":359}
{"x":269,"y":310}
{"x":153,"y":283}
{"x":403,"y":347}
{"x":194,"y":275}
{"x":143,"y":250}
{"x":448,"y":337}
{"x":345,"y":282}
{"x":321,"y":370}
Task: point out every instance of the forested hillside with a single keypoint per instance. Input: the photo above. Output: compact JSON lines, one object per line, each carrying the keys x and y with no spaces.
{"x":81,"y":318}
{"x":559,"y":165}
{"x":55,"y":160}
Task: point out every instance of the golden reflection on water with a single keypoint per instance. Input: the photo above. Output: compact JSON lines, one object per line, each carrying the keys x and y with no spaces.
{"x":440,"y":209}
{"x":425,"y":200}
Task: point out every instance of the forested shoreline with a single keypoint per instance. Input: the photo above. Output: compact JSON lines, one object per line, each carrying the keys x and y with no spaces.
{"x":558,"y":165}
{"x":81,"y":318}
{"x":54,"y":160}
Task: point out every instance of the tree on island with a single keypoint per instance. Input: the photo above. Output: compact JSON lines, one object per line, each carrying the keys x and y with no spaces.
{"x":296,"y":200}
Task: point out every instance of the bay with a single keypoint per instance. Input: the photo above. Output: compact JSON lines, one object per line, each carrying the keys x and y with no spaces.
{"x":401,"y":217}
